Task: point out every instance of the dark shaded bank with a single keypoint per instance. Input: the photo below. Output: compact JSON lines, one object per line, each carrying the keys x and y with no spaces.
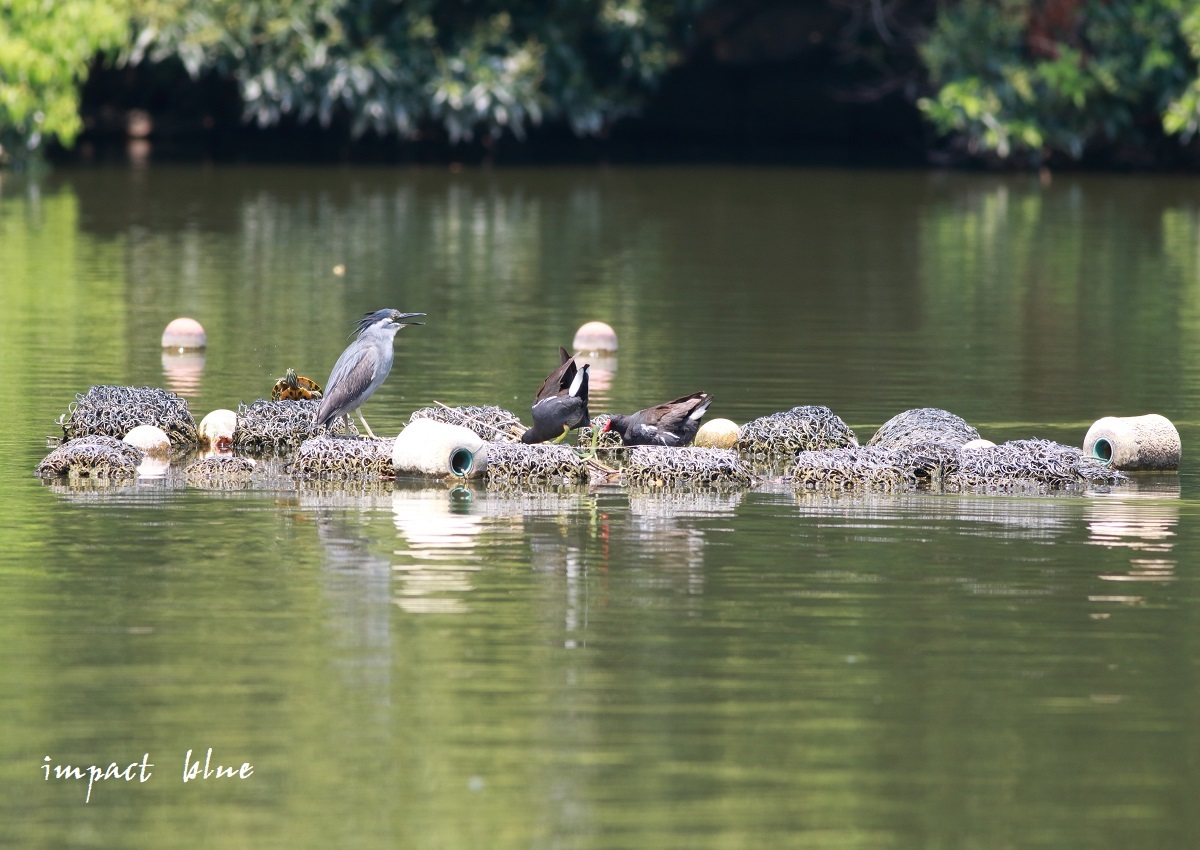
{"x":764,"y":82}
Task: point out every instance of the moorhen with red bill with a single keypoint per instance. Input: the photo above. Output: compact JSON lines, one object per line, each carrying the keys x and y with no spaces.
{"x":673,"y":423}
{"x":561,"y":403}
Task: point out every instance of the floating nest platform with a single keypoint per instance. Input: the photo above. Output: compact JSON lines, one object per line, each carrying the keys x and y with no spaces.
{"x":1019,"y":465}
{"x":923,"y":427}
{"x":327,"y":458}
{"x":688,"y":467}
{"x":115,"y":411}
{"x":807,"y":448}
{"x":516,"y":464}
{"x":1030,"y":464}
{"x":94,"y":456}
{"x":775,"y":439}
{"x":280,"y":427}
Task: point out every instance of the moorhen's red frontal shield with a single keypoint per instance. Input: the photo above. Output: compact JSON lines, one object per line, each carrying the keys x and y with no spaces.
{"x":673,"y":423}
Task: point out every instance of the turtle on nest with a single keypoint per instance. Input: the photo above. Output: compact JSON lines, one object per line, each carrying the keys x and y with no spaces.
{"x":292,"y":387}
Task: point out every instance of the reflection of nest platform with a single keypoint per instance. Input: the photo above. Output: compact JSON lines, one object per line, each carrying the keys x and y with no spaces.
{"x":807,"y":428}
{"x":690,"y":467}
{"x":342,"y":457}
{"x":115,"y":411}
{"x":923,"y":427}
{"x":94,"y":456}
{"x":493,"y":424}
{"x":1038,"y":465}
{"x":280,"y":426}
{"x":220,"y":471}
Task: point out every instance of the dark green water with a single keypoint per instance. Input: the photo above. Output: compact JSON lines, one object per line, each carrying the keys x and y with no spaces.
{"x":417,"y":667}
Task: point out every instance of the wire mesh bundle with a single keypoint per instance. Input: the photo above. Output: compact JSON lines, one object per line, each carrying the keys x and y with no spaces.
{"x":494,"y":424}
{"x":334,"y":457}
{"x":93,"y":456}
{"x":1025,"y":464}
{"x":805,"y":428}
{"x":875,"y":468}
{"x":219,"y":471}
{"x":690,"y":467}
{"x":115,"y":411}
{"x":924,"y":426}
{"x":541,"y":463}
{"x":281,"y":426}
{"x":855,"y":468}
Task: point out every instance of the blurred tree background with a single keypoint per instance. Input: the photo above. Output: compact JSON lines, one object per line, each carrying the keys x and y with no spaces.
{"x":1006,"y":82}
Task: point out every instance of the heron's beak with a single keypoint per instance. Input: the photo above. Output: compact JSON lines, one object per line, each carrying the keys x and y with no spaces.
{"x":403,"y":319}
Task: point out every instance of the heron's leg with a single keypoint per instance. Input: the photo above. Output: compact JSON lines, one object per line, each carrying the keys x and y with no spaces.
{"x":370,"y":433}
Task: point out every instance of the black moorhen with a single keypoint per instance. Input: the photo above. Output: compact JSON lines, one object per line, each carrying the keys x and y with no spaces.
{"x":561,"y":403}
{"x":673,"y":423}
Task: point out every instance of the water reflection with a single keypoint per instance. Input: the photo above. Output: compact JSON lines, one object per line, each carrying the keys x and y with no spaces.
{"x":441,"y":532}
{"x":1133,"y":519}
{"x":883,"y":517}
{"x":152,"y":490}
{"x":183,"y":371}
{"x":762,"y":667}
{"x":600,"y":377}
{"x":153,"y":467}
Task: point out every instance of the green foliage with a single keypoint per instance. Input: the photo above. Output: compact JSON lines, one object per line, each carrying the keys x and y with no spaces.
{"x":45,"y":50}
{"x":1183,"y":113}
{"x":1035,"y":77}
{"x":390,"y":67}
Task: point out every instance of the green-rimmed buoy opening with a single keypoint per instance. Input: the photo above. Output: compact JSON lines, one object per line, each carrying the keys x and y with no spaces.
{"x":462,"y":461}
{"x":1102,"y":451}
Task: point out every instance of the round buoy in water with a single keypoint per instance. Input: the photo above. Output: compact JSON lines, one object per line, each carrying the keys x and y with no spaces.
{"x":150,"y":439}
{"x":595,"y":337}
{"x":717,"y":434}
{"x":184,"y":333}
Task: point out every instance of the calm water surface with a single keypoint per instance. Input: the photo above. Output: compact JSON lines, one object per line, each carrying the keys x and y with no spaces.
{"x":428,"y":667}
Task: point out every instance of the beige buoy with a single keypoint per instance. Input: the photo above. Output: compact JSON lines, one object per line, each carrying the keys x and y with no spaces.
{"x":183,"y":334}
{"x":428,"y":447}
{"x":149,"y":438}
{"x":717,"y":434}
{"x":980,"y":443}
{"x":216,"y":429}
{"x":1134,"y":442}
{"x":595,"y":337}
